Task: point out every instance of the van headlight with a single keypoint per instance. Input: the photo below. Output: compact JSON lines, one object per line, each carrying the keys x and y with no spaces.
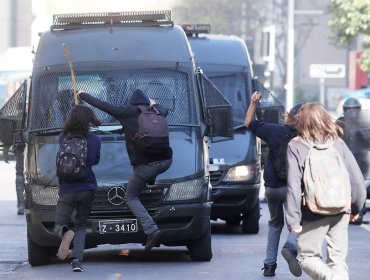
{"x":45,"y":196}
{"x":187,"y":190}
{"x":241,"y":173}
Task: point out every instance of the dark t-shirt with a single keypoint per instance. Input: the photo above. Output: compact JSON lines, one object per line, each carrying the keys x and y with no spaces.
{"x":273,"y":135}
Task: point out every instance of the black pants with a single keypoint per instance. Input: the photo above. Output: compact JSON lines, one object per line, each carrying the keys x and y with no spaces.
{"x":81,"y":203}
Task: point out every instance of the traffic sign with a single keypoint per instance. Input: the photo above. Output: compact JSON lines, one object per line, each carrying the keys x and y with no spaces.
{"x":323,"y":71}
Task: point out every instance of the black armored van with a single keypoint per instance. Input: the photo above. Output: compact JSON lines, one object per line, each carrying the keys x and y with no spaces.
{"x":235,"y":164}
{"x":111,"y":55}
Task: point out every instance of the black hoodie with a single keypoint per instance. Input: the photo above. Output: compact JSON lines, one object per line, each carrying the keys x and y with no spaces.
{"x":127,"y":116}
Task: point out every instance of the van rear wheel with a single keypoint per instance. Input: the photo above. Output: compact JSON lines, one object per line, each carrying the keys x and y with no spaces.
{"x":39,"y":255}
{"x":201,"y":248}
{"x":251,"y":220}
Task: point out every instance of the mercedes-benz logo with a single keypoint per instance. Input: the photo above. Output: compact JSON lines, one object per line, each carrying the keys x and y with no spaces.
{"x":116,"y":196}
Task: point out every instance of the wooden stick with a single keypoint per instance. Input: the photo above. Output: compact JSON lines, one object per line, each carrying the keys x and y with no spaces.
{"x":72,"y":73}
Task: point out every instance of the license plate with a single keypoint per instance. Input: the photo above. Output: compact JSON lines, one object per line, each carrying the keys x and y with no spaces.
{"x":118,"y":226}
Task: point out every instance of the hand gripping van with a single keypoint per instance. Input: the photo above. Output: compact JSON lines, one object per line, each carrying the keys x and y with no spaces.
{"x":235,"y":164}
{"x":112,"y":54}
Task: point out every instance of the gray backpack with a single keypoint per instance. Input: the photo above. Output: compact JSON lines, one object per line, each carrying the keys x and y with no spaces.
{"x":327,"y":187}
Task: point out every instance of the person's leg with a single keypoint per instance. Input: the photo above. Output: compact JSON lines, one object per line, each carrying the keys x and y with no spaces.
{"x":134,"y":187}
{"x":275,"y":198}
{"x":19,"y":179}
{"x":85,"y":201}
{"x":64,"y":209}
{"x":140,"y":176}
{"x":309,"y":243}
{"x":337,"y":247}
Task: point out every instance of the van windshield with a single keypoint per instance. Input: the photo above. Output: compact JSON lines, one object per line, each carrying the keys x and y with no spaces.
{"x":52,"y":94}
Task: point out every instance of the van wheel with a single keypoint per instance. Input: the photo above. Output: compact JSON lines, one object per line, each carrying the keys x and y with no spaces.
{"x":233,"y":220}
{"x":251,"y":220}
{"x":38,"y":255}
{"x":201,"y":248}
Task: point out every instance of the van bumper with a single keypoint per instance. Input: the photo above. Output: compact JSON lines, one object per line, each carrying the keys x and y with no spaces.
{"x":230,"y":200}
{"x":179,"y":223}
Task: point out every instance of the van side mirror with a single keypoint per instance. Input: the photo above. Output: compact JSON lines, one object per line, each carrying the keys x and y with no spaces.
{"x":12,"y":118}
{"x":216,"y":109}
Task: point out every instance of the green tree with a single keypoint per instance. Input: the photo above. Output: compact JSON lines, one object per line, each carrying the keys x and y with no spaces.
{"x":351,"y":19}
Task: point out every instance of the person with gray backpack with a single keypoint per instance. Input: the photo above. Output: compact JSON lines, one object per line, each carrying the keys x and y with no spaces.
{"x":147,"y":144}
{"x":325,"y":186}
{"x":79,"y":151}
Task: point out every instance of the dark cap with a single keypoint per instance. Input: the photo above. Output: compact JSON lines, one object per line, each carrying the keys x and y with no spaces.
{"x":295,"y":109}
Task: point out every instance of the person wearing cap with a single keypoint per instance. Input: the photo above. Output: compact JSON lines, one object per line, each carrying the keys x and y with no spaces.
{"x":146,"y":166}
{"x":350,"y":104}
{"x":275,"y":189}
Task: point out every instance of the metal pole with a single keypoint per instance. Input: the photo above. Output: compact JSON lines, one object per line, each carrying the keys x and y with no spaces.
{"x":322,"y":91}
{"x":290,"y":57}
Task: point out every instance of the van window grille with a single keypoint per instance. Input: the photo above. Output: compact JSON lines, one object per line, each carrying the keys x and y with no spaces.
{"x":52,"y":95}
{"x":12,"y":117}
{"x":235,"y":88}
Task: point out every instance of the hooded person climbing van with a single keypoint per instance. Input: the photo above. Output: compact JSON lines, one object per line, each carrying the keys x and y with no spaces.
{"x":147,"y":165}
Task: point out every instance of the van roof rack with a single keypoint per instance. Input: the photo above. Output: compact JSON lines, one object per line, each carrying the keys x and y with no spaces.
{"x":93,"y":20}
{"x":195,"y":29}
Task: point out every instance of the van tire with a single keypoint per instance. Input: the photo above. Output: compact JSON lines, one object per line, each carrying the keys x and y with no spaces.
{"x":201,"y":248}
{"x":251,"y":220}
{"x":38,"y":255}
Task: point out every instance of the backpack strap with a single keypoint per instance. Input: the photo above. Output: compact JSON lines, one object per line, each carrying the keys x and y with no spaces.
{"x":143,"y":109}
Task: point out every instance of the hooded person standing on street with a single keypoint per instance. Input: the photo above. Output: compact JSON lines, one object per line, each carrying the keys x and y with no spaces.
{"x":275,"y":188}
{"x":146,"y":165}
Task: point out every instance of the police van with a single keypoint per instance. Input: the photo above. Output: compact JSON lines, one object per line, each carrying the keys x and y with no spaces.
{"x":110,"y":55}
{"x":235,"y":164}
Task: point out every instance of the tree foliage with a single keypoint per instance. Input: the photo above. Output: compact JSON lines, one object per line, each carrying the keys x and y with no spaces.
{"x":351,"y":19}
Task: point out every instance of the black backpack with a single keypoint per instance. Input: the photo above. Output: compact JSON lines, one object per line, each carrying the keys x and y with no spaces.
{"x":279,"y":161}
{"x":152,"y":134}
{"x":71,"y":159}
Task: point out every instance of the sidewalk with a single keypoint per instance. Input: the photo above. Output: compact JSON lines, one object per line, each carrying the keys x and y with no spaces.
{"x":13,"y":236}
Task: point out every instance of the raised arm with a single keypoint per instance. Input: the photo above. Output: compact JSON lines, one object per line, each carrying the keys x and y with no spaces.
{"x":255,"y":98}
{"x":100,"y":104}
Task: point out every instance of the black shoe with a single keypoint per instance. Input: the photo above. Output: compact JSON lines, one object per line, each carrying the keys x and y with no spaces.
{"x":76,"y":265}
{"x":294,"y":266}
{"x":269,"y":269}
{"x":20,"y":211}
{"x":152,"y":239}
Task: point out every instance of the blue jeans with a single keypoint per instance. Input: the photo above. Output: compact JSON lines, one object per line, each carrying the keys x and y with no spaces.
{"x":81,"y":202}
{"x":140,"y":177}
{"x":275,"y":200}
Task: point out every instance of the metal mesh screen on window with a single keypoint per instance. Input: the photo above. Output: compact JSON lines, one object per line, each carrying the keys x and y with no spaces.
{"x":270,"y":108}
{"x":52,"y":98}
{"x":217,"y":112}
{"x":12,"y":117}
{"x":234,"y":87}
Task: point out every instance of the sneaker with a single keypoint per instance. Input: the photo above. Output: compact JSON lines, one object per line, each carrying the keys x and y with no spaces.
{"x":294,"y":266}
{"x":269,"y":269}
{"x":20,"y":211}
{"x":152,"y":240}
{"x":76,"y":265}
{"x":63,"y":250}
